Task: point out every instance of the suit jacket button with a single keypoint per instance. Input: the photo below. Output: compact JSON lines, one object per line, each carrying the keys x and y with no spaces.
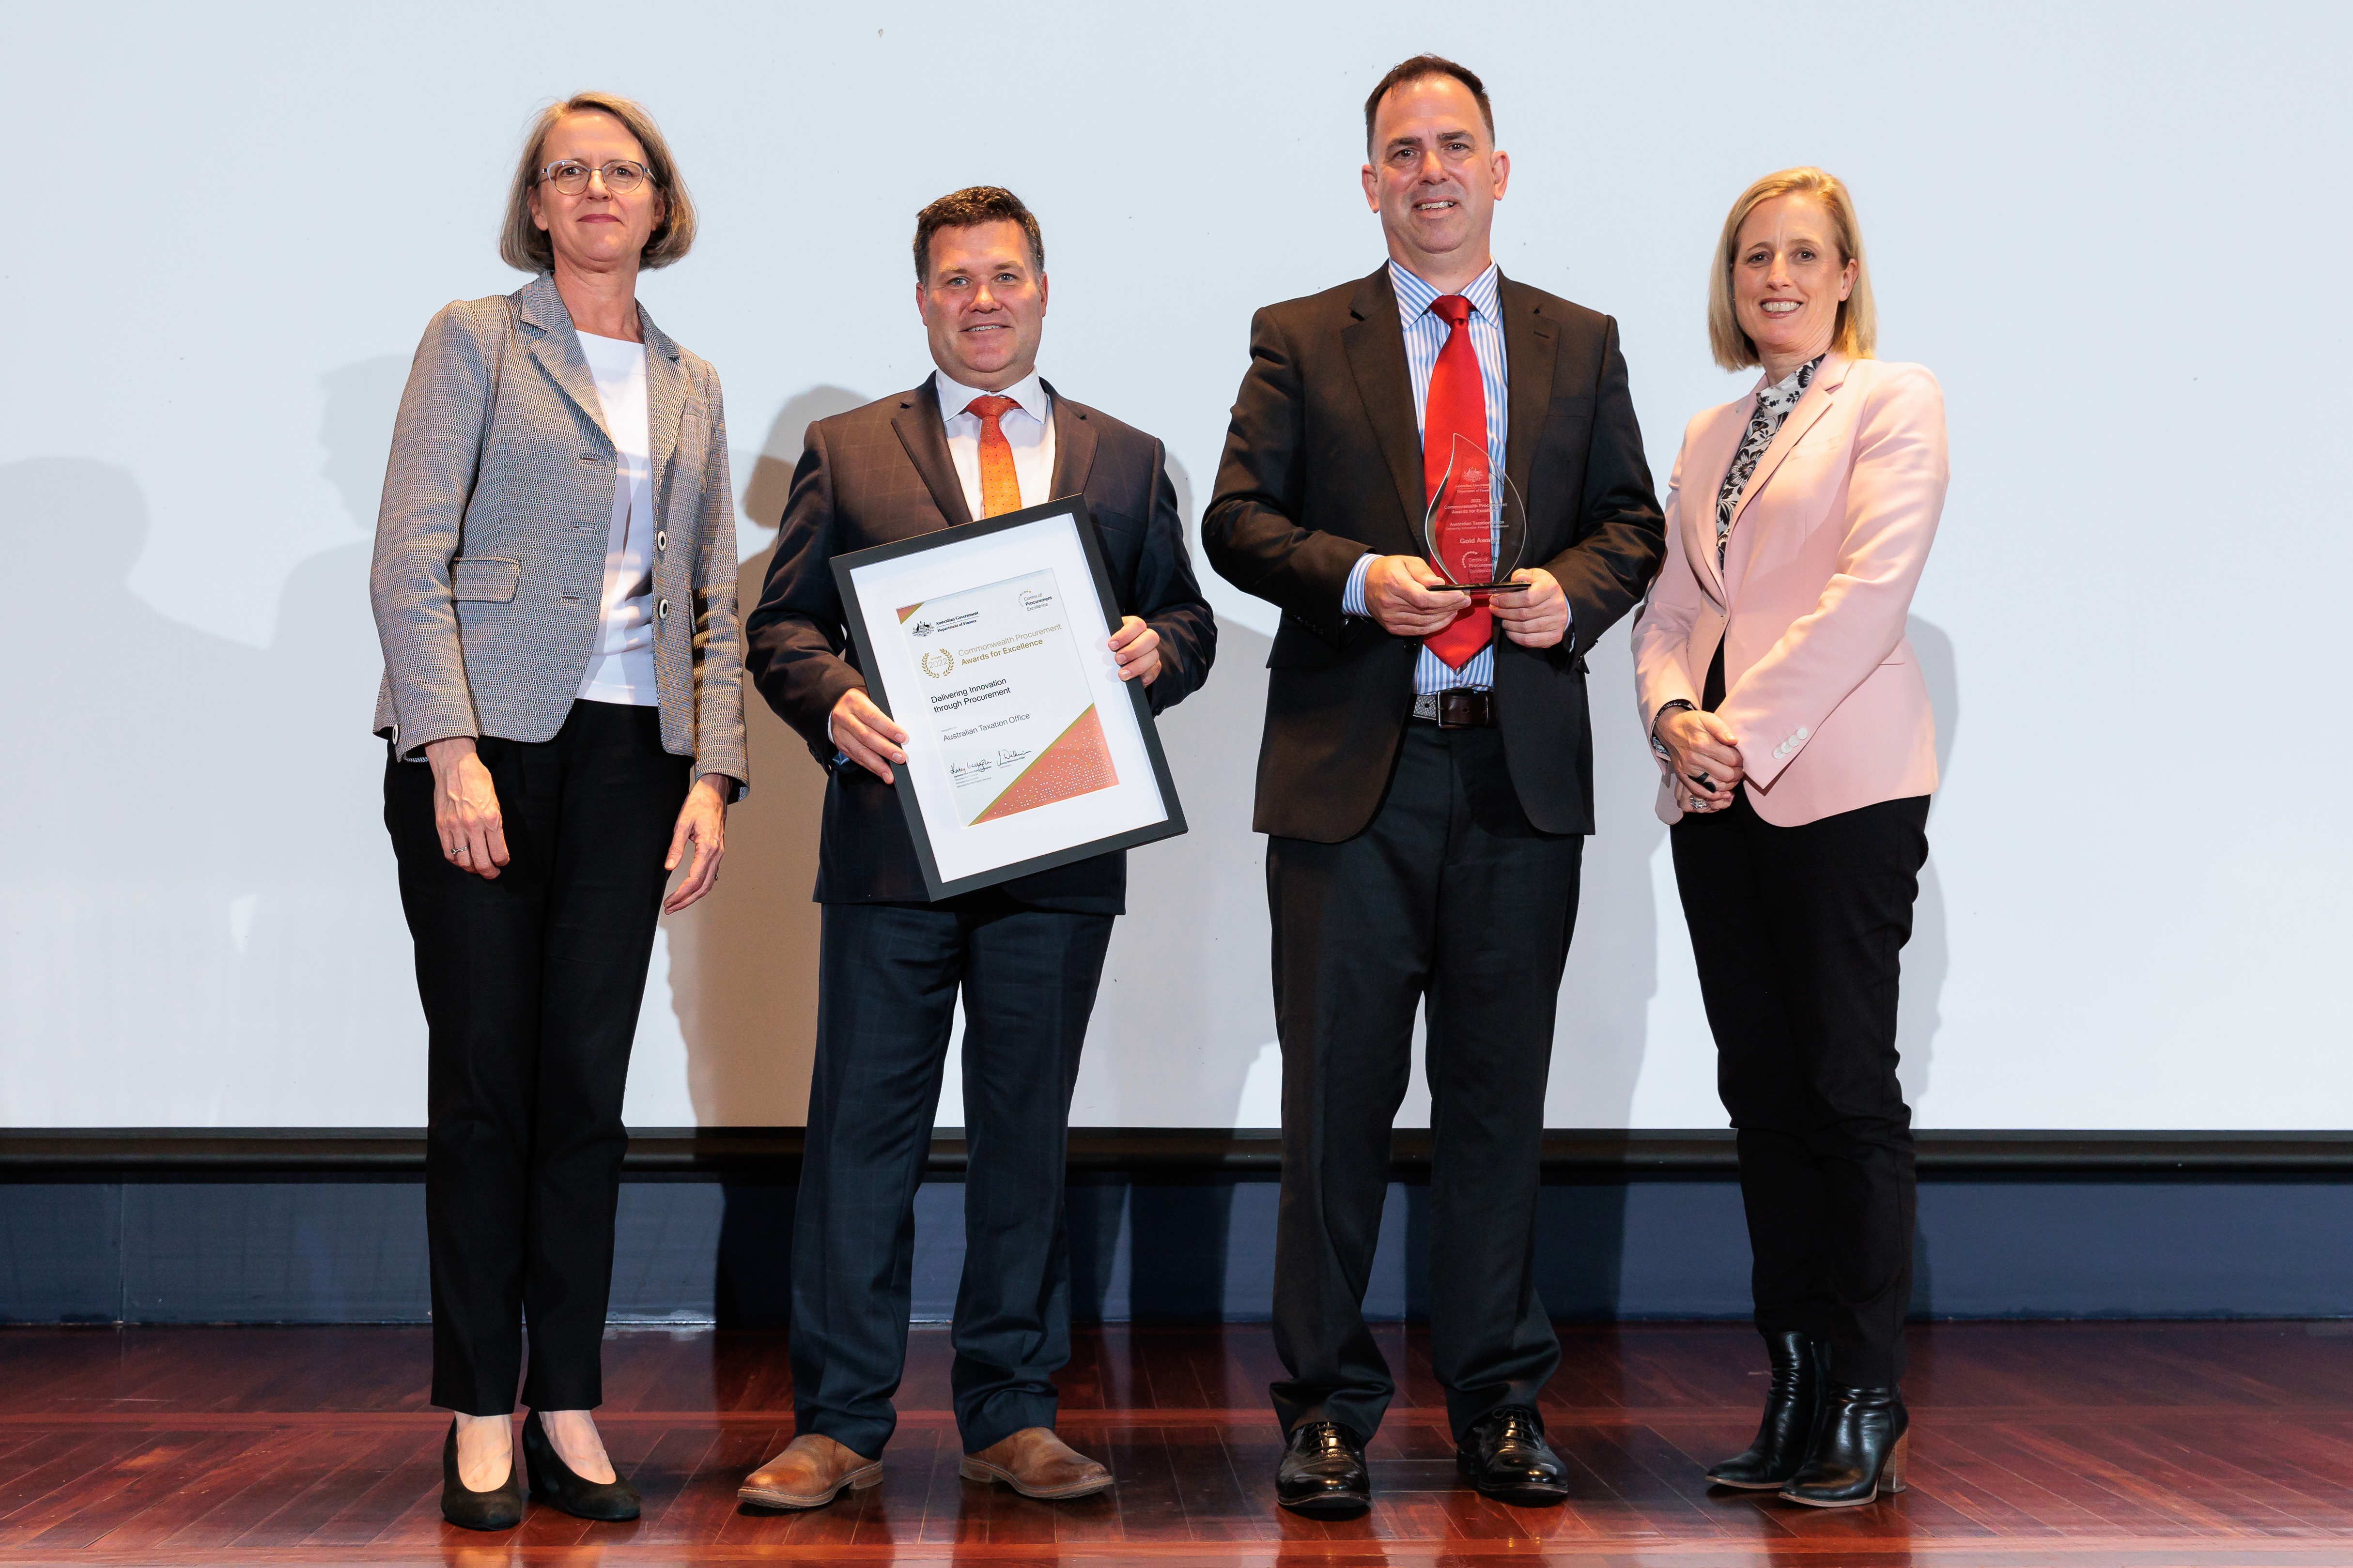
{"x":1803,"y":731}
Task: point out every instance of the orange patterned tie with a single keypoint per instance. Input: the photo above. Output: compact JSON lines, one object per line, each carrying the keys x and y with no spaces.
{"x":1000,"y":488}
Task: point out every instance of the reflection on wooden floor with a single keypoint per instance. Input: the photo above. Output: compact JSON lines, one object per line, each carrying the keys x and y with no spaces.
{"x":2034,"y":1445}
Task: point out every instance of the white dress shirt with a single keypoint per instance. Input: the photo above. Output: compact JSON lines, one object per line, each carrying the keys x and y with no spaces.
{"x":1028,"y":430}
{"x":621,"y":662}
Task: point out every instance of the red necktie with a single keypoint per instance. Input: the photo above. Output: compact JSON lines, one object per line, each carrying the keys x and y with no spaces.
{"x":1000,"y":488}
{"x":1457,"y":407}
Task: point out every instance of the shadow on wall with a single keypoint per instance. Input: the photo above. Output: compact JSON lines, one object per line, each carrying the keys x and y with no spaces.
{"x":130,"y":882}
{"x":744,"y":961}
{"x":1927,"y":957}
{"x":1187,"y":978}
{"x":240,"y":887}
{"x":329,"y":943}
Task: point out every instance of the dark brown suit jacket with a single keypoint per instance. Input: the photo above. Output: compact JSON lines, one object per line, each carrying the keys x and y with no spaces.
{"x":882,"y":473}
{"x":1323,"y":464}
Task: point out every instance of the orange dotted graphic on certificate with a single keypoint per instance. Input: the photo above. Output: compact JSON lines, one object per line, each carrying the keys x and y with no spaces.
{"x":1078,"y":763}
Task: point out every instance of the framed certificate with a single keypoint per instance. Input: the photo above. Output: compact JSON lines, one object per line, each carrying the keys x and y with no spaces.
{"x":1025,"y":749}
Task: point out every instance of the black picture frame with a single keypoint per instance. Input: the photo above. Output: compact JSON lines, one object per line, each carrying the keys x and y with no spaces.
{"x":845,"y":569}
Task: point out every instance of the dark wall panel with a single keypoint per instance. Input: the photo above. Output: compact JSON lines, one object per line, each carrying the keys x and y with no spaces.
{"x":286,"y":1252}
{"x":60,"y":1253}
{"x":352,"y":1250}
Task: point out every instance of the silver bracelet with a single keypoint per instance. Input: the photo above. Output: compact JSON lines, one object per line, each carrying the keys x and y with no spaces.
{"x":1672,"y":705}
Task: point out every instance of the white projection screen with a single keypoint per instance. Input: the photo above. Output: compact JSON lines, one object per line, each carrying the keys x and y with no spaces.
{"x":2116,"y":233}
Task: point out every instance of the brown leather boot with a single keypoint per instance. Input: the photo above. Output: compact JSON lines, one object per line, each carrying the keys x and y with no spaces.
{"x":809,"y":1473}
{"x":1036,"y":1463}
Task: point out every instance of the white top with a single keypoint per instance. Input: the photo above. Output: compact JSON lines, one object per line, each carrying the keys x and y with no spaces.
{"x":621,"y":668}
{"x":1028,"y":430}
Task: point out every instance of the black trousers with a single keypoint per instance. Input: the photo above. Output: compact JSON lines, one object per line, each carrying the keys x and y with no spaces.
{"x":1449,"y":900}
{"x":531,"y":986}
{"x":888,"y":978}
{"x":1798,"y":932}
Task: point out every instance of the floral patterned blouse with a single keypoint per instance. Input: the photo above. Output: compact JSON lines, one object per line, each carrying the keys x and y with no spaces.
{"x":1773,"y":405}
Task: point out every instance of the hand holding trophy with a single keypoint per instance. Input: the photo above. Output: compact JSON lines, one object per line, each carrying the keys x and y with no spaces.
{"x":1476,"y":527}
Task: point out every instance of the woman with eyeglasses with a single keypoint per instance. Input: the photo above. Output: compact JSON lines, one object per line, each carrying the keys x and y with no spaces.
{"x":555,"y":587}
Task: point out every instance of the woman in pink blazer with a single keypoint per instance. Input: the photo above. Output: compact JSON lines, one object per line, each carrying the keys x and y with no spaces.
{"x":1797,"y":752}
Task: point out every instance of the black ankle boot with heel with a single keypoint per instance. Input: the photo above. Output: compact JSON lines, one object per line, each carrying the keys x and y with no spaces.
{"x":1858,"y":1450}
{"x":1791,"y":1401}
{"x":500,"y":1508}
{"x":553,"y":1481}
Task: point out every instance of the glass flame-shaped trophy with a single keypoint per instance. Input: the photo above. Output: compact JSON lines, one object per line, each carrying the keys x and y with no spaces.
{"x":1475,"y":528}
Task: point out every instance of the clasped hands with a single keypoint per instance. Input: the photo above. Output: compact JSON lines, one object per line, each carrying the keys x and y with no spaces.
{"x":873,"y":739}
{"x":1408,"y":598}
{"x":473,"y":828}
{"x":1704,"y":755}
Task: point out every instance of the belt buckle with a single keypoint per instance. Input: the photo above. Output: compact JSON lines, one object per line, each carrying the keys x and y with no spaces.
{"x":1425,"y":706}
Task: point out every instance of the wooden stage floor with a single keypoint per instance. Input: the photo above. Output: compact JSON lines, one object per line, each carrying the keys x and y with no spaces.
{"x":2035,"y":1446}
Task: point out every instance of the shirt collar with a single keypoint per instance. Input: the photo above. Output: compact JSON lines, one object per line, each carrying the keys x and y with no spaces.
{"x":1414,"y":295}
{"x":1796,"y":382}
{"x":1030,"y":392}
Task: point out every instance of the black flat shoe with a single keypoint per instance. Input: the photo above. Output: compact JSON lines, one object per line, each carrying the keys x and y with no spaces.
{"x":500,"y":1508}
{"x":552,"y":1480}
{"x":1322,"y":1472}
{"x":1792,"y":1399}
{"x":1858,"y":1450}
{"x":1506,"y":1456}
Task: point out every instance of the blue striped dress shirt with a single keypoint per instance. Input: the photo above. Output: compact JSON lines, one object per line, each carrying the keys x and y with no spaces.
{"x":1425,"y":335}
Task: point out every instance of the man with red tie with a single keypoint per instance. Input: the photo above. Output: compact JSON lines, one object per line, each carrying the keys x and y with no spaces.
{"x":1424,"y":778}
{"x":981,"y":436}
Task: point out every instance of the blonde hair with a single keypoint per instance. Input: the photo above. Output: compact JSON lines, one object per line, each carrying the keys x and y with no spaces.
{"x":523,"y":244}
{"x":1857,"y":333}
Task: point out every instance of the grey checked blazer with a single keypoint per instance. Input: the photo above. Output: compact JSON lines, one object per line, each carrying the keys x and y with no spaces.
{"x":490,"y":547}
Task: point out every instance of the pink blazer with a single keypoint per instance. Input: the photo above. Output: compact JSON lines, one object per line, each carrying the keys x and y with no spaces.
{"x":1820,"y":686}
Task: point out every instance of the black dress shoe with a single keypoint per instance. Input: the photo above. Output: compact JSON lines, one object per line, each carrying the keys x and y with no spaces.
{"x":1506,"y":1455}
{"x":1858,"y":1450}
{"x":1322,"y":1472}
{"x":552,"y":1480}
{"x":1792,"y":1399}
{"x":500,"y":1508}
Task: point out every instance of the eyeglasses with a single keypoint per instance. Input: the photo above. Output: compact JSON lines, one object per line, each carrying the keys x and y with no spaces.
{"x":571,"y":176}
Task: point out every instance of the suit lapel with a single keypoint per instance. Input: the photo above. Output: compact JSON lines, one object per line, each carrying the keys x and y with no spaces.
{"x":1375,"y":345}
{"x":1703,"y":480}
{"x":1740,"y":545}
{"x":665,"y":391}
{"x":1530,"y":345}
{"x":558,"y":347}
{"x":1074,"y":445}
{"x":1810,"y":407}
{"x":925,"y":435}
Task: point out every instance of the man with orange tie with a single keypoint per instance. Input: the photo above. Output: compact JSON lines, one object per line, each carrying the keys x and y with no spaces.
{"x":1424,"y":778}
{"x":982,"y":437}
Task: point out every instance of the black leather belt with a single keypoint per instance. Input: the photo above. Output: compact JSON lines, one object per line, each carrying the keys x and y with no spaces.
{"x":1461,"y":709}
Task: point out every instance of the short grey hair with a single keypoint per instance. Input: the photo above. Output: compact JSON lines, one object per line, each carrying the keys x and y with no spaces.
{"x":523,"y":244}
